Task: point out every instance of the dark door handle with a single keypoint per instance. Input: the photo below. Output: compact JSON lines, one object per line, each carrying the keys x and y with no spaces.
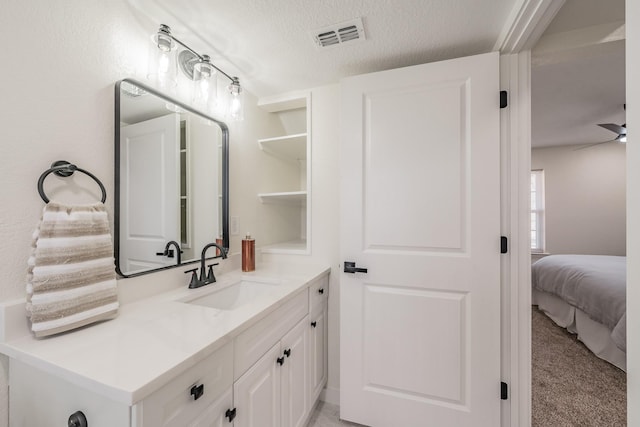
{"x":169,"y":253}
{"x":280,"y":360}
{"x":314,"y":324}
{"x":321,"y":291}
{"x":350,"y":267}
{"x":287,"y":352}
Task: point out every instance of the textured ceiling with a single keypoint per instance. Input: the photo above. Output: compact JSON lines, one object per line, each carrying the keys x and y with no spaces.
{"x":578,"y":76}
{"x":268,"y":43}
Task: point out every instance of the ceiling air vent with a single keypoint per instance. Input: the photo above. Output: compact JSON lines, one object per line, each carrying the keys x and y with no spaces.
{"x":337,"y":34}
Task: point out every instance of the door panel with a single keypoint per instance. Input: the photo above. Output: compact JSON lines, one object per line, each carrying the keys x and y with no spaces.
{"x":435,"y":156}
{"x":257,"y":393}
{"x":150,"y":188}
{"x":420,"y":209}
{"x":295,"y":381}
{"x":317,"y":354}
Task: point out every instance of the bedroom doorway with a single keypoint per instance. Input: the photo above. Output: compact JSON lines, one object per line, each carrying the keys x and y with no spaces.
{"x":578,"y":187}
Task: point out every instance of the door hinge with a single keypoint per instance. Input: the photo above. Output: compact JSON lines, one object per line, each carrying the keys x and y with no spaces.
{"x":503,"y":99}
{"x":504,"y":391}
{"x":504,"y":245}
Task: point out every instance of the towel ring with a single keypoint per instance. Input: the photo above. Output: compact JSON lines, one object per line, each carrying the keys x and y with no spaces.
{"x":64,"y":169}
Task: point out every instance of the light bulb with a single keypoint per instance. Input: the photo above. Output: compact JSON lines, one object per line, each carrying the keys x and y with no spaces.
{"x":235,"y":103}
{"x":205,"y":85}
{"x":163,"y":63}
{"x":235,"y":106}
{"x":162,"y":67}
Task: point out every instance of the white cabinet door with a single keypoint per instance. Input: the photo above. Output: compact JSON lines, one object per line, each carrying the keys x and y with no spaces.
{"x":420,"y":208}
{"x":257,"y":392}
{"x":317,"y":354}
{"x":216,"y":414}
{"x":295,"y":383}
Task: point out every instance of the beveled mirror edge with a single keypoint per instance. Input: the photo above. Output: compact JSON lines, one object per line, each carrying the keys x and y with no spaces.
{"x":116,"y":200}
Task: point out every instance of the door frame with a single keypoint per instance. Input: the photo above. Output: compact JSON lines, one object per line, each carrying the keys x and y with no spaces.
{"x":523,"y":29}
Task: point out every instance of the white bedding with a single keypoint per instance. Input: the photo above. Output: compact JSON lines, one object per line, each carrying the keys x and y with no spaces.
{"x":595,"y":284}
{"x":595,"y":336}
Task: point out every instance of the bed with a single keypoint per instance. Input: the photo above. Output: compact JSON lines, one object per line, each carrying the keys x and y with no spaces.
{"x":587,"y":295}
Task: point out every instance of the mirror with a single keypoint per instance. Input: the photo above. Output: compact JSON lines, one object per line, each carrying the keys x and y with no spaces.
{"x":171,"y":180}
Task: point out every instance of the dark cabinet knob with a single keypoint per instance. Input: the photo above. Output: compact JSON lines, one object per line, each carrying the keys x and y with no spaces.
{"x":197,"y":391}
{"x":321,"y":291}
{"x":77,"y":419}
{"x":314,"y":324}
{"x":280,"y":360}
{"x":231,"y":414}
{"x":287,"y":352}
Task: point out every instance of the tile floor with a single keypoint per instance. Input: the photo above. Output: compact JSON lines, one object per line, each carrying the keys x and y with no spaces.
{"x":327,"y":415}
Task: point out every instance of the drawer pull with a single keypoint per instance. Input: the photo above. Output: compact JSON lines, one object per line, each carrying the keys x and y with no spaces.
{"x":280,"y":360}
{"x":287,"y":352}
{"x":321,"y":291}
{"x":197,"y":391}
{"x":231,"y":414}
{"x":314,"y":324}
{"x":77,"y":419}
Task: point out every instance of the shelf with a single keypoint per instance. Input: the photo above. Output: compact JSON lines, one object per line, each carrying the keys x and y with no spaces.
{"x":289,"y":146}
{"x":294,"y":246}
{"x":290,"y":101}
{"x":289,"y":197}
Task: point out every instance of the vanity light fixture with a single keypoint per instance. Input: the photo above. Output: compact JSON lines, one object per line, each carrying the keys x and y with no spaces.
{"x":167,"y":57}
{"x":236,"y":100}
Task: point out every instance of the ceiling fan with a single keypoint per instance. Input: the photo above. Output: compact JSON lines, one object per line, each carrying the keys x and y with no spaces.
{"x":620,"y":130}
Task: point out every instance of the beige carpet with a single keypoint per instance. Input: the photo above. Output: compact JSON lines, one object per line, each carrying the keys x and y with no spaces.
{"x":570,"y":385}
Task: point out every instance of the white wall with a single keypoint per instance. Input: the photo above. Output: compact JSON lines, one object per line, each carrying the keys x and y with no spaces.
{"x":61,"y":60}
{"x":584,"y":198}
{"x":325,"y":249}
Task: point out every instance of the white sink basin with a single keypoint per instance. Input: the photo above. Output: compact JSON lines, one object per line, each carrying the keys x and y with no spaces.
{"x":236,"y":295}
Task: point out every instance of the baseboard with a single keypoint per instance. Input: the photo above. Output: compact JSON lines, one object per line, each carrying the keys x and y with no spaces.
{"x":330,"y":395}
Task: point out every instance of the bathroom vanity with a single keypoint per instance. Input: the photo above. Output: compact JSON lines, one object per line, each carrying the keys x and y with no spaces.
{"x":249,"y":350}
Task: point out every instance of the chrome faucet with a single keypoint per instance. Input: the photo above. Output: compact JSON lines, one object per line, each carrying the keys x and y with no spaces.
{"x":205,"y":278}
{"x":169,"y":252}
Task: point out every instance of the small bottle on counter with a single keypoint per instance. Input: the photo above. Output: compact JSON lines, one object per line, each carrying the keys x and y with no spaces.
{"x":220,"y":242}
{"x":248,"y":253}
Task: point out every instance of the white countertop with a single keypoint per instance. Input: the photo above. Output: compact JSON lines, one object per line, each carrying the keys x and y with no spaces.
{"x":153,"y":340}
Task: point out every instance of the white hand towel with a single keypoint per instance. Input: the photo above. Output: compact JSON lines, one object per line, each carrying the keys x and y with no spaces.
{"x":71,"y":279}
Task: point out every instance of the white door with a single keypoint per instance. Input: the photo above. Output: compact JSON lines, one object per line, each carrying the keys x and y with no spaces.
{"x":216,"y":414}
{"x":294,"y":380}
{"x":317,"y":353}
{"x":256,"y":394}
{"x":420,"y":332}
{"x":150,"y":192}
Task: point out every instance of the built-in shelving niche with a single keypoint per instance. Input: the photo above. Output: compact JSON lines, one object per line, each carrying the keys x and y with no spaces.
{"x":285,"y":181}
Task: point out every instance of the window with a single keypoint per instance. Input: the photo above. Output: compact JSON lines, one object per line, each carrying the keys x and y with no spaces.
{"x":537,"y":211}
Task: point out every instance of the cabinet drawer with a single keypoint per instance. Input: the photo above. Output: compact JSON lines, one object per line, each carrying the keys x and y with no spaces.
{"x":174,"y":405}
{"x":318,"y":293}
{"x":251,"y":344}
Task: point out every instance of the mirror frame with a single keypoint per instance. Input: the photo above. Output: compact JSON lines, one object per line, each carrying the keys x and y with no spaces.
{"x":225,"y":174}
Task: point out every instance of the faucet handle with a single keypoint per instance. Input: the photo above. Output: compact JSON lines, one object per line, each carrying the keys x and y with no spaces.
{"x":211,"y":278}
{"x":194,"y":278}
